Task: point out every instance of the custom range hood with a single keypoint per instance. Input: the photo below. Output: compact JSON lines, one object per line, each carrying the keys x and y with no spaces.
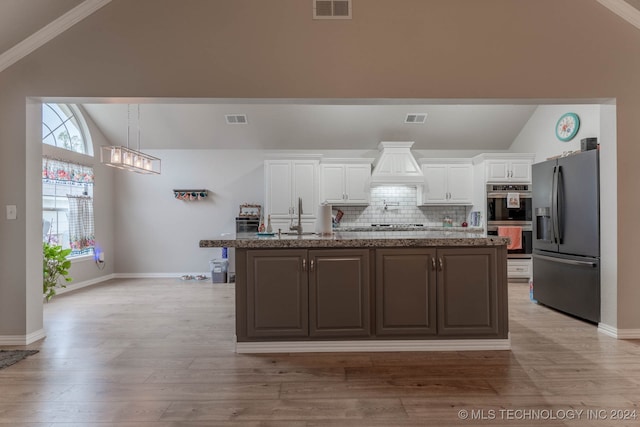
{"x":396,"y":165}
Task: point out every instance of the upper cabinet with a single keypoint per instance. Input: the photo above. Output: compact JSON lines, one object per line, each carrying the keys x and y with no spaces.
{"x":344,"y":183}
{"x":508,"y":168}
{"x":447,"y":182}
{"x":285,"y":182}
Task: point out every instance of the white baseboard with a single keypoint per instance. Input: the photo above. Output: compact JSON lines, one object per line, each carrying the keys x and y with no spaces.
{"x":84,"y":284}
{"x":22,"y":339}
{"x":621,"y":334}
{"x":372,"y":346}
{"x":157,"y":275}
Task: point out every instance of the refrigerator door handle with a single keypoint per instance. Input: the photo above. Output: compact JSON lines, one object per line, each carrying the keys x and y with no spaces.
{"x":554,"y":205}
{"x":566,"y":261}
{"x":559,"y":203}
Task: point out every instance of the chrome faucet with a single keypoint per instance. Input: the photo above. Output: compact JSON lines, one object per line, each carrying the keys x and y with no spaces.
{"x":298,"y":227}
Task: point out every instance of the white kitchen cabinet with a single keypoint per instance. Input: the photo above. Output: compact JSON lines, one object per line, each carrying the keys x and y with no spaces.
{"x":447,"y":182}
{"x":285,"y":182}
{"x":508,"y":170}
{"x":345,"y":184}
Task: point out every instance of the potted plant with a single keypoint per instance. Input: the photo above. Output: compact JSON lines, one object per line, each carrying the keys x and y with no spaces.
{"x":55,"y":266}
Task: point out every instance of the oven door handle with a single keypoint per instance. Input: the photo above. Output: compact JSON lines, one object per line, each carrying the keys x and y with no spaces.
{"x":504,"y":195}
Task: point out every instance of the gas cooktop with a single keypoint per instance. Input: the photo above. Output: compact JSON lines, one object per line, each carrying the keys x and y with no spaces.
{"x":386,"y":227}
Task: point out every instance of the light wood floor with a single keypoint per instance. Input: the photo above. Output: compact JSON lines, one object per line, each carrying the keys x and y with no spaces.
{"x":160,"y":353}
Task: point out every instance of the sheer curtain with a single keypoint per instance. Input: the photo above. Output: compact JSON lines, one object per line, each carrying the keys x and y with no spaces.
{"x":67,"y":204}
{"x":81,"y":227}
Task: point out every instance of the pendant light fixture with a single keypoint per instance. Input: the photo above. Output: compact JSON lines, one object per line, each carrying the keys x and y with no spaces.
{"x":125,"y":158}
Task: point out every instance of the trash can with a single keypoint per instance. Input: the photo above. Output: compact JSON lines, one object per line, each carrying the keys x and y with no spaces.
{"x":219,"y":269}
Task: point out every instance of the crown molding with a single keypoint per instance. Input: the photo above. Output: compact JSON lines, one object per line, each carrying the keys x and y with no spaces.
{"x":623,"y":10}
{"x":49,"y":31}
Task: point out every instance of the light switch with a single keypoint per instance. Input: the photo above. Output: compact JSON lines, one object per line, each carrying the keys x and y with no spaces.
{"x":12,"y":212}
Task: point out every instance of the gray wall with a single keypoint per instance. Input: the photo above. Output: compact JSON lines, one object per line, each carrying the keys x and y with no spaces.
{"x":568,"y":49}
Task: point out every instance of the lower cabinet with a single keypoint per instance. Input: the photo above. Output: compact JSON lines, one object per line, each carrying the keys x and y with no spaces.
{"x":405,"y":292}
{"x":329,"y":293}
{"x":277,"y":294}
{"x":301,"y":293}
{"x":444,"y":292}
{"x":468,"y":292}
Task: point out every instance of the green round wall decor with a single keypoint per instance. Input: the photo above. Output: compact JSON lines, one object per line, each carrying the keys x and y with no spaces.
{"x":567,"y":126}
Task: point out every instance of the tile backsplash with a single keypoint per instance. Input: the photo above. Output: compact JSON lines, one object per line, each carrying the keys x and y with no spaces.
{"x":397,"y":205}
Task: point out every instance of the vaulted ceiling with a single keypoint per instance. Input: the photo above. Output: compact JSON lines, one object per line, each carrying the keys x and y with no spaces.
{"x":286,"y":125}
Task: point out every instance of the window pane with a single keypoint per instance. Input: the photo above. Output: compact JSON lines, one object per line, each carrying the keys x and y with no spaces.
{"x":60,"y":128}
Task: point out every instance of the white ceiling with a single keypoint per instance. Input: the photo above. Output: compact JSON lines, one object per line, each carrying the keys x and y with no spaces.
{"x":311,"y":126}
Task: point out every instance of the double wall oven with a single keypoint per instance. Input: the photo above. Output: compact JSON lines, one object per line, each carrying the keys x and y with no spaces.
{"x":513,"y":212}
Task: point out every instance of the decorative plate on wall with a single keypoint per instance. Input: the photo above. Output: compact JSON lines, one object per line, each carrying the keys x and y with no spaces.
{"x":567,"y":126}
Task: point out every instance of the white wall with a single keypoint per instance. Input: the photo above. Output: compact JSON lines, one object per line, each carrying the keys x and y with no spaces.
{"x":538,"y":135}
{"x":158,"y":234}
{"x":608,"y":216}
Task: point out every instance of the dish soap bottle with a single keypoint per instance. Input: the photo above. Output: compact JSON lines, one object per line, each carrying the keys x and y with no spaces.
{"x":269,"y":229}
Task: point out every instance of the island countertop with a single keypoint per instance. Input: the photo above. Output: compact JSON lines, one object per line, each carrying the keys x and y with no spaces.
{"x":351,"y":239}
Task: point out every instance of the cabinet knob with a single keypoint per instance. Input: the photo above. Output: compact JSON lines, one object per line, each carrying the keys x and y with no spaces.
{"x":440,"y":264}
{"x":304,"y":264}
{"x":311,"y":265}
{"x":433,"y":264}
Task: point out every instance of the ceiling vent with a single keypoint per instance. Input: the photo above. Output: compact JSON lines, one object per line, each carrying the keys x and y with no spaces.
{"x":417,"y":118}
{"x":331,"y":9}
{"x":236,"y":119}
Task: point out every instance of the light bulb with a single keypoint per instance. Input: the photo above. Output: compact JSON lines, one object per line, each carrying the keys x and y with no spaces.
{"x":116,"y":155}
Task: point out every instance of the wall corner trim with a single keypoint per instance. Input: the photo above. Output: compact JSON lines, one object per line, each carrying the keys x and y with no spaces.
{"x":49,"y":32}
{"x":621,"y":334}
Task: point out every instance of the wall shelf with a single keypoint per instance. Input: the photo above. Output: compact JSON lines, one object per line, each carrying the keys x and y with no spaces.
{"x":190,"y":194}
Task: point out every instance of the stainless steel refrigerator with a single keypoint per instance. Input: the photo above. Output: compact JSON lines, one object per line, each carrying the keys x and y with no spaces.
{"x":566,"y":234}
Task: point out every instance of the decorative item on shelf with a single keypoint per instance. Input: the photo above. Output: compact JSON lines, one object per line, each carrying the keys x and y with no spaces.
{"x":190,"y":194}
{"x":125,"y":158}
{"x":269,"y":228}
{"x":249,"y":209}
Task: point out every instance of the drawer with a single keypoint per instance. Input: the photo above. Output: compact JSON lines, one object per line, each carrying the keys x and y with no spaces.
{"x":519,"y":268}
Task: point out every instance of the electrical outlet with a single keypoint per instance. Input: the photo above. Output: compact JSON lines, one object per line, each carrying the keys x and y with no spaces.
{"x":12,"y":212}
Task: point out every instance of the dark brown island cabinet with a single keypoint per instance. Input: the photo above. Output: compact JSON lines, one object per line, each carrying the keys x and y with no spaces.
{"x":371,"y":293}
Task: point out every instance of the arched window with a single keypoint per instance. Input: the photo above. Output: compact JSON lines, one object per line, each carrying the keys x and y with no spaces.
{"x":64,"y":127}
{"x":67,"y":186}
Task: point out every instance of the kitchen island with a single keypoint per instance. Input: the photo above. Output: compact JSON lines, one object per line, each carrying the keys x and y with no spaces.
{"x":369,"y":291}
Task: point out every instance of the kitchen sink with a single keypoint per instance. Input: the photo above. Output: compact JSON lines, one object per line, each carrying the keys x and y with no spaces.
{"x":295,"y":233}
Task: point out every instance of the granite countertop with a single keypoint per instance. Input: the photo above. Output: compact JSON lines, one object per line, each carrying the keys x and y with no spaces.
{"x":354,"y":239}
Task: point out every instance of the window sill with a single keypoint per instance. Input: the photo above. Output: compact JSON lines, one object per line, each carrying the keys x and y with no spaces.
{"x":81,"y":258}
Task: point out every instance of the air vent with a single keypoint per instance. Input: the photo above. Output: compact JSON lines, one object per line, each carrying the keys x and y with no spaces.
{"x":417,"y":118}
{"x":236,"y":119}
{"x":331,"y":9}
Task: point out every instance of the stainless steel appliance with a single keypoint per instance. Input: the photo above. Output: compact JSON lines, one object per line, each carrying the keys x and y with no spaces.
{"x":566,"y":229}
{"x":500,"y":213}
{"x":247,"y":224}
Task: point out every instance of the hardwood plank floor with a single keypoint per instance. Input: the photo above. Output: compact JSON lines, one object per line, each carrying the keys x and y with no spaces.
{"x":160,"y":353}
